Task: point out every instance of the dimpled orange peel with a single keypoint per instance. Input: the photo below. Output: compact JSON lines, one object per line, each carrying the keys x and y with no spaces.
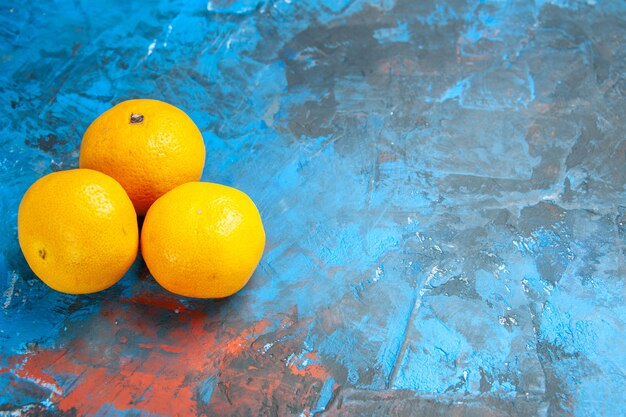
{"x":149,"y":146}
{"x":203,"y":240}
{"x":78,"y":230}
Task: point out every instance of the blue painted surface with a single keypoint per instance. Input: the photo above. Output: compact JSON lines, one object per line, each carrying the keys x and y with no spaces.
{"x":442,"y":186}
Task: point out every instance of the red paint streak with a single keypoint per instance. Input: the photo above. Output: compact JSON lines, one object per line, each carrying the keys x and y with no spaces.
{"x":152,"y":300}
{"x":165,"y":348}
{"x":312,"y":370}
{"x":155,"y":383}
{"x":286,"y":322}
{"x":28,"y":369}
{"x":135,"y":362}
{"x":114,"y":371}
{"x":305,"y":367}
{"x":242,"y":342}
{"x":264,"y":373}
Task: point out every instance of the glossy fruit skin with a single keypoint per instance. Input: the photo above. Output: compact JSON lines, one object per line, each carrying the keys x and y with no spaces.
{"x":78,"y":230}
{"x":149,"y":146}
{"x":203,"y":240}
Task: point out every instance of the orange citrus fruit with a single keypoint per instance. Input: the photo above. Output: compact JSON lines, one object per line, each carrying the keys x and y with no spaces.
{"x":203,"y":240}
{"x":148,"y":146}
{"x":78,"y":230}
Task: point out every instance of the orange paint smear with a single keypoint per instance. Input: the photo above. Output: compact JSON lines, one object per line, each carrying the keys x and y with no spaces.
{"x":313,"y":370}
{"x":163,"y":382}
{"x":151,"y":300}
{"x":29,"y":370}
{"x":165,"y":348}
{"x":156,"y":384}
{"x":242,"y":342}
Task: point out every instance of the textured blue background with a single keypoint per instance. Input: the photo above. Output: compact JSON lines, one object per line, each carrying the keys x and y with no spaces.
{"x":442,"y":185}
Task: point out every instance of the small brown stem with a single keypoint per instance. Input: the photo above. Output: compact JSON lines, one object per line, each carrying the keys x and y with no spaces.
{"x":136,"y":118}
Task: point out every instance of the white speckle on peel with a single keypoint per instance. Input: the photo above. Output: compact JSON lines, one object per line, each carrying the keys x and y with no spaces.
{"x":230,"y":221}
{"x":99,"y":199}
{"x":199,"y":211}
{"x":151,"y":47}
